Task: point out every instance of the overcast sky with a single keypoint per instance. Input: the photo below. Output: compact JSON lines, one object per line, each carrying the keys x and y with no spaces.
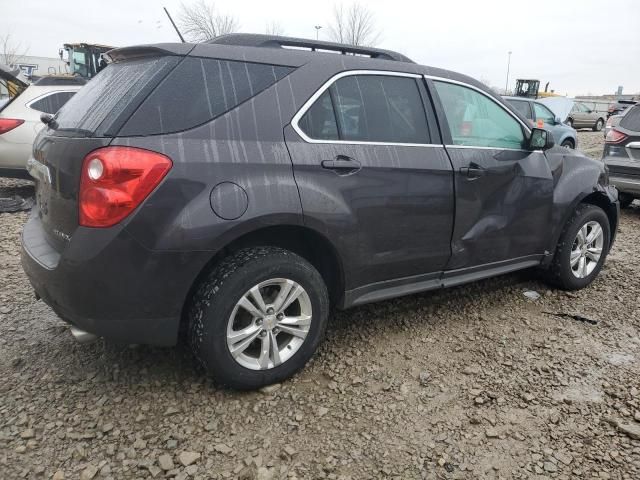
{"x":579,"y":46}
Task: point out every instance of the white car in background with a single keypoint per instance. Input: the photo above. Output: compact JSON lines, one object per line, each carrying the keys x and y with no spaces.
{"x":20,"y":111}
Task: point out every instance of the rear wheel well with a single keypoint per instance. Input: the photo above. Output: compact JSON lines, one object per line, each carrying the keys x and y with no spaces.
{"x":303,"y":241}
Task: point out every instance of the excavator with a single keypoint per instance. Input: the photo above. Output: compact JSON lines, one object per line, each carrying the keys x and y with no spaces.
{"x":84,"y":59}
{"x":531,"y":89}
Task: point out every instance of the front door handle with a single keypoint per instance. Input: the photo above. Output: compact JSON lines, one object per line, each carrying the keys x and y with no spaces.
{"x":473,"y":171}
{"x":342,"y":165}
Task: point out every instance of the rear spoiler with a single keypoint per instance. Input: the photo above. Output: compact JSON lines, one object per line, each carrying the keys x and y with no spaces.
{"x":140,"y":51}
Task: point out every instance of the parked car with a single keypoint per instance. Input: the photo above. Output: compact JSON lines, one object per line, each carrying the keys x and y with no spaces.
{"x":622,"y":156}
{"x":540,"y":116}
{"x":614,"y":121}
{"x":238,"y":189}
{"x":620,"y":106}
{"x":20,"y":116}
{"x":582,"y":116}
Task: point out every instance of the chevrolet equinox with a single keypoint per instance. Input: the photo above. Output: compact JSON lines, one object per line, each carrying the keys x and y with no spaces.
{"x":235,"y":191}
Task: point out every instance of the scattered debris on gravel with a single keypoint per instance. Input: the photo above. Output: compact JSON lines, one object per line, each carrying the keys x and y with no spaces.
{"x":478,"y":381}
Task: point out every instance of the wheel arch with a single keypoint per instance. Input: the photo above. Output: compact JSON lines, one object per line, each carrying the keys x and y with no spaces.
{"x":300,"y":239}
{"x":600,"y":198}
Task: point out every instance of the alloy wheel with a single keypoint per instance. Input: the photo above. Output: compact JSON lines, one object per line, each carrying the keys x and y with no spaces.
{"x":586,"y":249}
{"x":269,"y":324}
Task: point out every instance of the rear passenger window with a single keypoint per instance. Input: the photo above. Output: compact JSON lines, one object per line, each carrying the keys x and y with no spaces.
{"x":51,"y":103}
{"x":199,"y":90}
{"x":522,"y":107}
{"x":477,"y":121}
{"x":368,"y":108}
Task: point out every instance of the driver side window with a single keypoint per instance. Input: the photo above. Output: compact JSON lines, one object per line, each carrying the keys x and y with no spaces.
{"x":476,"y":120}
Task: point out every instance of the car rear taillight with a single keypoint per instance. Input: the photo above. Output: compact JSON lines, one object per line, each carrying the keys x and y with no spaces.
{"x":7,"y":124}
{"x":115,"y":181}
{"x":614,"y":136}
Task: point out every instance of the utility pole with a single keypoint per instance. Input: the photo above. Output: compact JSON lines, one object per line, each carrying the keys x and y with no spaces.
{"x":317,"y":27}
{"x":506,"y":85}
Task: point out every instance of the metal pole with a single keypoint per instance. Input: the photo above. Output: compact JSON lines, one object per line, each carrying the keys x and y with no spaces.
{"x":174,"y":25}
{"x":506,"y":85}
{"x":317,"y":27}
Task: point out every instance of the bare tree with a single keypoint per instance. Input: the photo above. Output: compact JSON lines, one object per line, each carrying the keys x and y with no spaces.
{"x":11,"y":53}
{"x":274,"y":28}
{"x":353,"y":25}
{"x":201,"y":21}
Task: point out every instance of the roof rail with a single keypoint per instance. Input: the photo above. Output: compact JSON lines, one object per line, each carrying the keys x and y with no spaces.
{"x":271,"y":41}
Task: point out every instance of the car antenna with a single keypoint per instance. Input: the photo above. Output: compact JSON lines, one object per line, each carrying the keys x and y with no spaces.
{"x":174,"y":25}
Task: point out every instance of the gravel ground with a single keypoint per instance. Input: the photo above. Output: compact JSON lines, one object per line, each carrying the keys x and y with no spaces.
{"x":473,"y":382}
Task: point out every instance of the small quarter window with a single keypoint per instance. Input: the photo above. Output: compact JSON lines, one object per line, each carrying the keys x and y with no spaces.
{"x":320,"y":120}
{"x":477,"y":121}
{"x":52,"y":102}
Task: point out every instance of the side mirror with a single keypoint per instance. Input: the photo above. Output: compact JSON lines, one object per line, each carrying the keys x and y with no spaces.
{"x":558,"y":121}
{"x":540,"y":139}
{"x":46,"y":118}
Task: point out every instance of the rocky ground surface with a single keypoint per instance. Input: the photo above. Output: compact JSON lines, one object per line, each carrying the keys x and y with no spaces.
{"x":479,"y":381}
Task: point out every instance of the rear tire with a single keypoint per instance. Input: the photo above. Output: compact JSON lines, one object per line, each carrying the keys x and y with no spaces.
{"x":625,"y":199}
{"x":567,"y":270}
{"x":218,"y":317}
{"x":598,"y":126}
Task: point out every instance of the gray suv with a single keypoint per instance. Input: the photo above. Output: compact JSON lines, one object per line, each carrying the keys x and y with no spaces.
{"x":234,"y":192}
{"x":622,"y":155}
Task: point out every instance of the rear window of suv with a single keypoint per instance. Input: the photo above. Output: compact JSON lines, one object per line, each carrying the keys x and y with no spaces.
{"x":631,"y":120}
{"x":101,"y":105}
{"x":199,"y":90}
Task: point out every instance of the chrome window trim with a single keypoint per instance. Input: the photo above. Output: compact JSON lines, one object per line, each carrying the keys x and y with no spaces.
{"x":479,"y":90}
{"x":296,"y":118}
{"x":495,"y":148}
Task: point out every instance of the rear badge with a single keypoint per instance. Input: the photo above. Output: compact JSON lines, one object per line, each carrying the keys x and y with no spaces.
{"x":62,"y":235}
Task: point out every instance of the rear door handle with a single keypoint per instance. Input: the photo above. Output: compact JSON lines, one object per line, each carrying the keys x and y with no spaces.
{"x":473,"y":171}
{"x":635,"y":145}
{"x":342,"y":165}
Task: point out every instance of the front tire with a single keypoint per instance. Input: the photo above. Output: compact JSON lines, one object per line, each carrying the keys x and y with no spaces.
{"x":258,"y":317}
{"x":582,"y":249}
{"x":568,"y":143}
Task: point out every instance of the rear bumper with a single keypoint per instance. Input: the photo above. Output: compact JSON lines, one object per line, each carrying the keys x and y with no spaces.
{"x":106,"y":283}
{"x":626,"y":184}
